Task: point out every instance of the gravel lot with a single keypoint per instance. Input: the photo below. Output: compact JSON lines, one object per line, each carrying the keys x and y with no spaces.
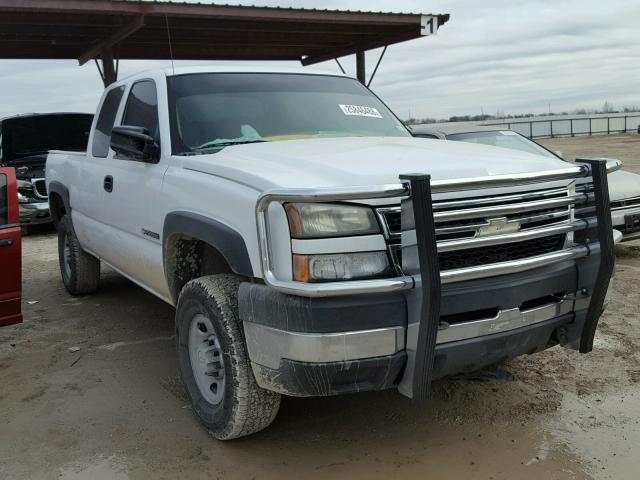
{"x":116,"y":409}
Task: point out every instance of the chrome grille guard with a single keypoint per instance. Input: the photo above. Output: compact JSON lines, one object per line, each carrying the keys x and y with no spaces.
{"x":404,"y":190}
{"x":423,"y":281}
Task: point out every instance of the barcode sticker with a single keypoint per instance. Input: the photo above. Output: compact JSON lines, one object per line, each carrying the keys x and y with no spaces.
{"x":360,"y":111}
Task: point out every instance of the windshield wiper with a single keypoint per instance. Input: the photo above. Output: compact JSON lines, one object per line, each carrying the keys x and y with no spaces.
{"x":222,"y":144}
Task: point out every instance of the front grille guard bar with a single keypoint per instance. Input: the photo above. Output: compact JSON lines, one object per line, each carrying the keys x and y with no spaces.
{"x":420,"y":257}
{"x":395,"y":191}
{"x":323,"y":195}
{"x":424,"y":299}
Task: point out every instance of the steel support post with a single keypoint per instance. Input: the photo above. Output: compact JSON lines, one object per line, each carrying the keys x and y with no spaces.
{"x":360,"y":68}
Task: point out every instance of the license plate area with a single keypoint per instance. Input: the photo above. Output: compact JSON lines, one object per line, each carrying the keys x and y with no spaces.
{"x":632,"y":223}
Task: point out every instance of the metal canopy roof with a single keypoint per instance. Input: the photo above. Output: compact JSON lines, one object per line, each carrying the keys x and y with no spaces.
{"x":121,"y":29}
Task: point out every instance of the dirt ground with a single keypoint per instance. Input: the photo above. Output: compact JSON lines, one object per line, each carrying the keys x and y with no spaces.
{"x":115,"y":409}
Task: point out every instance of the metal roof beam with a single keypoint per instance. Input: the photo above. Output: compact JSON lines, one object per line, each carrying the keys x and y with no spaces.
{"x":343,"y":52}
{"x":116,"y":37}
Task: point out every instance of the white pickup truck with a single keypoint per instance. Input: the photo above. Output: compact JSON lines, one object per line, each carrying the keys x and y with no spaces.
{"x":311,"y":246}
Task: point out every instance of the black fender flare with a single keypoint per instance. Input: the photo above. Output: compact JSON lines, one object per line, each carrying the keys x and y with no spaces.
{"x":223,"y":238}
{"x":59,"y":189}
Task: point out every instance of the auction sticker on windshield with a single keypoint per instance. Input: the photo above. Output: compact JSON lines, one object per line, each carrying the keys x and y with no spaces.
{"x":360,"y":111}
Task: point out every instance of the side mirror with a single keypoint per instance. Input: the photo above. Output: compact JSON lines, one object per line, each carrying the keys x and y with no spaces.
{"x":135,"y":143}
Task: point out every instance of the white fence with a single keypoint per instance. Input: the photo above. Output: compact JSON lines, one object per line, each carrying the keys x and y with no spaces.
{"x":557,"y":127}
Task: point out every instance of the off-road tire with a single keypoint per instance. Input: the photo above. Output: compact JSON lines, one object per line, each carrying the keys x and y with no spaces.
{"x":245,"y":408}
{"x":81,"y":274}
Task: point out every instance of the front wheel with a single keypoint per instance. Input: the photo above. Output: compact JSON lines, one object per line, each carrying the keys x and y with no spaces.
{"x":80,"y":270}
{"x":214,"y":363}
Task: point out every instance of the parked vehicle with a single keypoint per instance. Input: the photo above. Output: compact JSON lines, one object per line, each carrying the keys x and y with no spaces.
{"x":277,"y":211}
{"x":624,"y":187}
{"x":10,"y":250}
{"x":24,"y":143}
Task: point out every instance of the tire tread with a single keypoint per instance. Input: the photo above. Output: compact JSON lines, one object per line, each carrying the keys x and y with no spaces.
{"x":254,"y":408}
{"x":85,"y":268}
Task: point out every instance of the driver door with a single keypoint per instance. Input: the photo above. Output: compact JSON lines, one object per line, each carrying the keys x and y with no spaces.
{"x":133,"y":198}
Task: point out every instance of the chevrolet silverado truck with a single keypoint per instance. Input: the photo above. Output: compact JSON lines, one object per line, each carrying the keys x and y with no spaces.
{"x":24,"y":143}
{"x":311,"y":246}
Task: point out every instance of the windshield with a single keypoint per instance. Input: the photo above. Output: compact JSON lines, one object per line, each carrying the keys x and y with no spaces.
{"x":214,"y":110}
{"x":30,"y":135}
{"x":504,"y":139}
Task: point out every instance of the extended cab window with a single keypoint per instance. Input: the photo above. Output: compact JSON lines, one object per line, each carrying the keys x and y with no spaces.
{"x":142,"y":108}
{"x":106,"y":118}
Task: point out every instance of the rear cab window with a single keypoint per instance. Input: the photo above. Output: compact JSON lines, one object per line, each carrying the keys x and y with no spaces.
{"x":104,"y":125}
{"x":141,"y":109}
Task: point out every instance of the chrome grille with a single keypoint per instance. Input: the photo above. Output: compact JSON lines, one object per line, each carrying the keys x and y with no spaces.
{"x":626,"y":203}
{"x":532,"y":217}
{"x":474,"y":232}
{"x":473,"y":257}
{"x":39,"y":187}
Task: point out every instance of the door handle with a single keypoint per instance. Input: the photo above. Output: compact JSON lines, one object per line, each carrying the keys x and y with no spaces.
{"x":108,"y":183}
{"x":6,"y":243}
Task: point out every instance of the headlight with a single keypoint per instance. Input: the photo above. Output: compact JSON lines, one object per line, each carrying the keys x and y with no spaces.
{"x":340,"y":266}
{"x":25,"y":190}
{"x":309,"y":220}
{"x":24,"y":185}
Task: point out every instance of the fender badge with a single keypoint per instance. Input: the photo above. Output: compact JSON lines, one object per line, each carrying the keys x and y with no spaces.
{"x":151,"y":234}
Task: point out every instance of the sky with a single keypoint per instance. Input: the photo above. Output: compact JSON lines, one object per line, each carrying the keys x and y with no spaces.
{"x":493,"y":56}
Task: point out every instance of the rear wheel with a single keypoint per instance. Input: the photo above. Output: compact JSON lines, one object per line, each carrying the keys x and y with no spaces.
{"x":214,"y":362}
{"x":80,"y":270}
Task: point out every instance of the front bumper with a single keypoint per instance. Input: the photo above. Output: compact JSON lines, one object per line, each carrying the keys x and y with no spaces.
{"x":429,"y":328}
{"x":328,"y":346}
{"x":34,"y":213}
{"x":627,"y":220}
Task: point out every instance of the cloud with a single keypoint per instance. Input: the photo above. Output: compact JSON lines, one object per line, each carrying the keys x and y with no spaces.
{"x":494,"y":55}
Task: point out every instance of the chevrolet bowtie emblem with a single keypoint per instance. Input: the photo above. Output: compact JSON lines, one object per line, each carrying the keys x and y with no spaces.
{"x":498,"y":226}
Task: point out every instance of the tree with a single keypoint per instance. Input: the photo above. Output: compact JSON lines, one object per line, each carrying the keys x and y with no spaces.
{"x":607,"y":107}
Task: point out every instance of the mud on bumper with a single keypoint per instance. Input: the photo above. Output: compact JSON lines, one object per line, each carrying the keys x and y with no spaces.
{"x":328,"y":346}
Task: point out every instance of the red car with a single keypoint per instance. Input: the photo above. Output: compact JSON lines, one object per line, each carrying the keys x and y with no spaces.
{"x":10,"y":250}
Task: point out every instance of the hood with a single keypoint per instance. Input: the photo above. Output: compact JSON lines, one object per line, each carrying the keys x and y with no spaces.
{"x":28,"y":167}
{"x":32,"y":135}
{"x":332,"y":162}
{"x":623,"y":185}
